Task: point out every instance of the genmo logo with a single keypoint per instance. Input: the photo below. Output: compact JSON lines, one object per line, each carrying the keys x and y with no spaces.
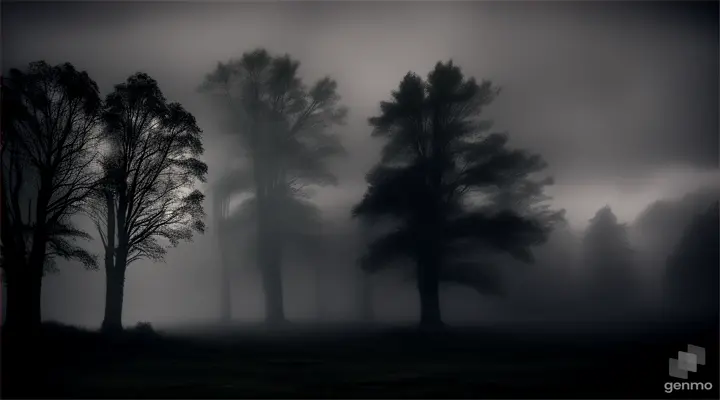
{"x":674,"y":386}
{"x":687,"y":361}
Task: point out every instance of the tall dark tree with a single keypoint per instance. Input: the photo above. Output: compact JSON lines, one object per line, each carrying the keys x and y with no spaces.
{"x":148,"y":201}
{"x":49,"y":136}
{"x":692,"y":277}
{"x":609,"y":258}
{"x":437,"y":172}
{"x":283,"y":127}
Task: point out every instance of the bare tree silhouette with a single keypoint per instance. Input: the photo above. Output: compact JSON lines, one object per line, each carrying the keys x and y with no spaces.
{"x":49,"y":137}
{"x":148,"y":202}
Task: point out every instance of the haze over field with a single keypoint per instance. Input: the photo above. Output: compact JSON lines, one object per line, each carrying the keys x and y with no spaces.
{"x":620,"y":99}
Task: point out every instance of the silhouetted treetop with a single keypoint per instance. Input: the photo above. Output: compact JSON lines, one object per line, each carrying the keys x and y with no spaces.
{"x":606,"y":236}
{"x":277,"y":116}
{"x":41,"y":86}
{"x":50,"y":117}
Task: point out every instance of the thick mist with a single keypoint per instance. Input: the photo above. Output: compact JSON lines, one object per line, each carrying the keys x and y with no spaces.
{"x":620,"y":99}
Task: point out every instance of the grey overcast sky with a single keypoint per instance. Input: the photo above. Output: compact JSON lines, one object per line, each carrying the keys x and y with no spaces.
{"x":621,"y":98}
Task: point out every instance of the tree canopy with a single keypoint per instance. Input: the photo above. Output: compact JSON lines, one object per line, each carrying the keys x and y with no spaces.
{"x":152,"y":165}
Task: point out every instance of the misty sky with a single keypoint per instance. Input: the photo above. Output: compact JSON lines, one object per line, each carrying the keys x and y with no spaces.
{"x":621,"y":98}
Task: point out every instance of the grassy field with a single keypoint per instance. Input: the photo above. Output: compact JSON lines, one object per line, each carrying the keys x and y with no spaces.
{"x":350,"y":362}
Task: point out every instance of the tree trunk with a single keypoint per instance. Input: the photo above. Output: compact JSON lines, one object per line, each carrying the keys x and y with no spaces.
{"x":365,"y":297}
{"x":24,"y":290}
{"x":269,"y":261}
{"x":429,"y":291}
{"x":114,"y":294}
{"x":3,"y":299}
{"x":113,"y":279}
{"x":225,"y":284}
{"x":28,"y":289}
{"x":114,"y":291}
{"x":220,"y":214}
{"x":318,"y":292}
{"x":272,"y":285}
{"x":225,"y":295}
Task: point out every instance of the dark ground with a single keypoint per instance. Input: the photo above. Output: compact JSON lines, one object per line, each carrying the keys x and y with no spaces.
{"x":369,"y":363}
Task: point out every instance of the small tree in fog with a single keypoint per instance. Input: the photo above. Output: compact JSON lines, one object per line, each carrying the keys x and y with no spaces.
{"x":147,"y":200}
{"x":283,"y":126}
{"x":436,"y":169}
{"x":49,"y":137}
{"x":609,"y":258}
